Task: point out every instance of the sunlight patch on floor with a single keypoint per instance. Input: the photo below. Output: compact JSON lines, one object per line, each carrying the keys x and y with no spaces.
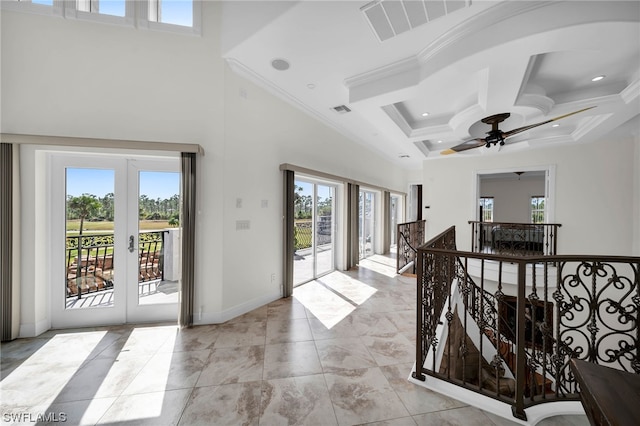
{"x":354,"y":290}
{"x":379,"y":265}
{"x":323,"y":303}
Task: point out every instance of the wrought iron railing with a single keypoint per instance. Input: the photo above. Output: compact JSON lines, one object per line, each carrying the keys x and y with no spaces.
{"x":509,"y":329}
{"x":520,"y":239}
{"x":303,"y":232}
{"x":410,"y":236}
{"x":89,"y":261}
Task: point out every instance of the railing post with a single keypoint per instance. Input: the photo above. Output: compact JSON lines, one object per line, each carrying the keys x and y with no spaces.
{"x":419,"y":318}
{"x":518,"y":407}
{"x":162,"y":252}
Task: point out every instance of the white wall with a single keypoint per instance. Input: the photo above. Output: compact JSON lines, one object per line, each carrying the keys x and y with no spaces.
{"x":636,"y":198}
{"x":595,"y":193}
{"x":63,"y":77}
{"x":512,"y":196}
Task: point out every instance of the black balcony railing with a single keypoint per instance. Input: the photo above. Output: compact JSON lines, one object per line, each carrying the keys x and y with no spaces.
{"x":89,"y":262}
{"x":507,"y":326}
{"x":410,"y":236}
{"x":520,"y":239}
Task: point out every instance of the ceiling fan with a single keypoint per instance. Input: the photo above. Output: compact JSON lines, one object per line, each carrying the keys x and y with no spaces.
{"x":496,"y":136}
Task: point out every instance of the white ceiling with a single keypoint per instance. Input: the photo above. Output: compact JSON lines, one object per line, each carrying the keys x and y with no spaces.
{"x":533,"y":59}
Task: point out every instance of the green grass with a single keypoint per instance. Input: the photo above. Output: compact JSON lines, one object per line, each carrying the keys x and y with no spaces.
{"x":73,"y":226}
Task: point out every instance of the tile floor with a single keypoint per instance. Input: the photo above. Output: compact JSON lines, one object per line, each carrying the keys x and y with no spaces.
{"x":336,"y":353}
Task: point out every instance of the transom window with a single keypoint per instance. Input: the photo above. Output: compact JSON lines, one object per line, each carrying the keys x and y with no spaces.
{"x":106,"y":7}
{"x":176,"y":12}
{"x":182,"y":16}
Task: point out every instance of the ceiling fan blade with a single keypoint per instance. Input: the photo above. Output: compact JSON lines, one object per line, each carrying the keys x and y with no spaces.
{"x":470,"y":144}
{"x":531,"y":126}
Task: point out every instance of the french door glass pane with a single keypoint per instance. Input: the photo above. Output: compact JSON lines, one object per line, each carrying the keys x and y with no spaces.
{"x":303,"y":259}
{"x":393,"y":215}
{"x":158,"y":237}
{"x":366,"y":224}
{"x":89,"y":249}
{"x":324,"y":229}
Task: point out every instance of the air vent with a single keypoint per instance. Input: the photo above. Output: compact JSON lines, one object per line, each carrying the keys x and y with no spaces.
{"x":341,"y":109}
{"x":388,"y":18}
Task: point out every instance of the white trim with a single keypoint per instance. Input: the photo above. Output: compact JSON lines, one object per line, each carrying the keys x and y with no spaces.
{"x":550,"y":179}
{"x":108,"y":144}
{"x":71,"y":11}
{"x":143,"y":20}
{"x":201,"y":318}
{"x":34,"y":329}
{"x":534,"y":414}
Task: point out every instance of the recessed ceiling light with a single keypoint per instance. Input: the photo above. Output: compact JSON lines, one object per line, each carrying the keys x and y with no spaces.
{"x":280,"y":64}
{"x":439,"y":141}
{"x":311,"y":86}
{"x":555,"y":125}
{"x":598,"y":78}
{"x":403,"y":156}
{"x":424,"y":114}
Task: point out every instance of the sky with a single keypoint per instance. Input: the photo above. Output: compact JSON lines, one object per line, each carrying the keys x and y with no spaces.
{"x":100,"y":182}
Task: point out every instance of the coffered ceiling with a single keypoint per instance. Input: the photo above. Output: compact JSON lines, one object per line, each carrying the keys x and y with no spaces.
{"x":411,"y":78}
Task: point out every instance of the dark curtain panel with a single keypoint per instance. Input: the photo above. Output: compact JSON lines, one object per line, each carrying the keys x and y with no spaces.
{"x":188,"y":221}
{"x":288,"y":231}
{"x":386,"y":221}
{"x":6,"y":241}
{"x":353,"y":204}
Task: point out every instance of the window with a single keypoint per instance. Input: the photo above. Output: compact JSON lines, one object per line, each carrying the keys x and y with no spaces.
{"x":170,"y":15}
{"x":176,"y":12}
{"x":40,"y":7}
{"x":537,"y":209}
{"x":105,"y":7}
{"x":486,"y":209}
{"x":118,"y":12}
{"x":181,"y":16}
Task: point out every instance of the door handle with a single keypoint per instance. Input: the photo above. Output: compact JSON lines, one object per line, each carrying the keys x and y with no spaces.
{"x":131,"y":241}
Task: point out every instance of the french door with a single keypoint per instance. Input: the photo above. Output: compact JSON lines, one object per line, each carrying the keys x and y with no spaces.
{"x":314,"y":231}
{"x":366,"y":224}
{"x":114,"y":252}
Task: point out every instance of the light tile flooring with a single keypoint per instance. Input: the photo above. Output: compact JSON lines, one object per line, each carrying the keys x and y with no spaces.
{"x":336,"y":353}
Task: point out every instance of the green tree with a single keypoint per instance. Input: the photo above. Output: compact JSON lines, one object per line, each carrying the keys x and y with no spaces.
{"x":84,"y":207}
{"x":107,"y":206}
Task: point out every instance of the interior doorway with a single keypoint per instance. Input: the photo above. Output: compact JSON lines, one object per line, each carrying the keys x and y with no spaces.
{"x":513,"y":195}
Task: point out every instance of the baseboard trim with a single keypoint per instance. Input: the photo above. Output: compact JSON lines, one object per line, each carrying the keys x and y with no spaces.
{"x":35,"y":329}
{"x":236,"y":311}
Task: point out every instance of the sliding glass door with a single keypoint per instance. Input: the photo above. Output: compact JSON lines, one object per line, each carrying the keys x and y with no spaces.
{"x":314,"y":230}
